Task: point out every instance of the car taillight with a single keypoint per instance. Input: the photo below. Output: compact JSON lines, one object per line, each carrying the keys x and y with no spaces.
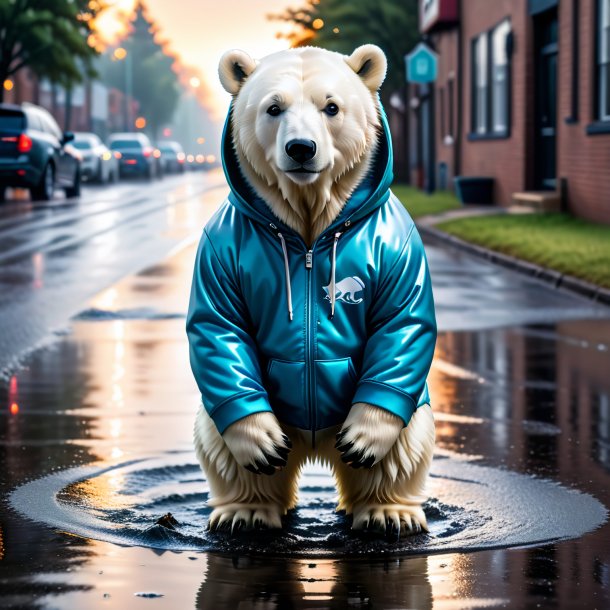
{"x":24,"y":143}
{"x":117,"y":154}
{"x":147,"y":152}
{"x":181,"y":157}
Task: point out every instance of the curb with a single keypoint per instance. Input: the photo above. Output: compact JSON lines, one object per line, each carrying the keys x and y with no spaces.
{"x":549,"y":276}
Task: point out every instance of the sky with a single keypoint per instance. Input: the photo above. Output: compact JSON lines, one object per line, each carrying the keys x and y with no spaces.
{"x":202,"y":30}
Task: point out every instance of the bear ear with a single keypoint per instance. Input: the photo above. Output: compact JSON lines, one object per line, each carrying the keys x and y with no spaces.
{"x":370,"y":64}
{"x":235,"y":66}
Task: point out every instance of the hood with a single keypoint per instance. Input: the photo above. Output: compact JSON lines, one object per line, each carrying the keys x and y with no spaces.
{"x":373,"y":191}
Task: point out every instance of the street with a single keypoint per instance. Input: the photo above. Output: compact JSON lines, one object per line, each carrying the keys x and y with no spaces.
{"x":55,"y":255}
{"x":95,"y":433}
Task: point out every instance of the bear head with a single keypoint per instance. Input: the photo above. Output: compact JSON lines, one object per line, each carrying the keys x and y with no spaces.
{"x":305,"y":124}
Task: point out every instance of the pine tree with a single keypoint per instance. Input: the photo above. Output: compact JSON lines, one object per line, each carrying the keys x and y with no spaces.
{"x":154,"y":83}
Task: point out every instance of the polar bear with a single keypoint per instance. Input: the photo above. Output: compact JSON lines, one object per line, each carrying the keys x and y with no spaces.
{"x":311,"y":320}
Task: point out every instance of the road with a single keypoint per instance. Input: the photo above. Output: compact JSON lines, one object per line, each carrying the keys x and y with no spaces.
{"x":55,"y":255}
{"x":520,"y":391}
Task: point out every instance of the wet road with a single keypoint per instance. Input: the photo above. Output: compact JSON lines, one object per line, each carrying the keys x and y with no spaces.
{"x":55,"y":255}
{"x":520,"y":384}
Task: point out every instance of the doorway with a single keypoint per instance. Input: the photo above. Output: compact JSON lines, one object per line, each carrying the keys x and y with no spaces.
{"x":546,"y":49}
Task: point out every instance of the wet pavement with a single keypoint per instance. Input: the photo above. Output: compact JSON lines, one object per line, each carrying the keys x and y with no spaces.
{"x":521,"y":392}
{"x":56,"y":255}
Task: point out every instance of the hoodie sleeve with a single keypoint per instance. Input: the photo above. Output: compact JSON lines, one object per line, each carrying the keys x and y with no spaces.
{"x":223,"y":355}
{"x":402,"y":335}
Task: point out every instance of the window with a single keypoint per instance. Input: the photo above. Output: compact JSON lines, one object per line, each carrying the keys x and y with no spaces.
{"x":450,"y":96}
{"x":491,"y":83}
{"x":480,"y":70}
{"x":442,"y":112}
{"x":603,"y":61}
{"x":499,"y":75}
{"x":33,"y":120}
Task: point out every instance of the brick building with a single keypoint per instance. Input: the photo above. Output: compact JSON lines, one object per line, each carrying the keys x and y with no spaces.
{"x":90,"y":106}
{"x":522,"y":96}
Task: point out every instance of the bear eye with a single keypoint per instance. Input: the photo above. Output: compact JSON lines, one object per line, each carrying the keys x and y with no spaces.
{"x":274,"y":110}
{"x":331,"y":109}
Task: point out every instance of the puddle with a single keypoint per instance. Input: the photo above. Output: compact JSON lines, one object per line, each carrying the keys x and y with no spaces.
{"x":481,"y":508}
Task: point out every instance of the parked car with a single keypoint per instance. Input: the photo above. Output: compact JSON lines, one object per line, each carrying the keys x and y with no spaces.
{"x":138,"y":157}
{"x":35,"y":154}
{"x":99,"y":162}
{"x":172,"y":157}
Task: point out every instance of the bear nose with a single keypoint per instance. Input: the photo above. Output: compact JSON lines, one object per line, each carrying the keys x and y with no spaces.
{"x":301,"y":150}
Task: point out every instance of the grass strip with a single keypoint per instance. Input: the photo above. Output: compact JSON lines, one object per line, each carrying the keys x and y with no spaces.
{"x":420,"y":204}
{"x":557,"y":241}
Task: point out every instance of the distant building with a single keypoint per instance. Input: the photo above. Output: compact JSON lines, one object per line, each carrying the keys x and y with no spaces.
{"x":90,"y":106}
{"x":522,"y":96}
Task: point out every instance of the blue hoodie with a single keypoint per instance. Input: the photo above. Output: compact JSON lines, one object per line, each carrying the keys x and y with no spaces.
{"x":305,"y":332}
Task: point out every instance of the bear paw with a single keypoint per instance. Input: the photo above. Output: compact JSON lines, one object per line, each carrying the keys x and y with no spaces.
{"x":258,"y":443}
{"x":391,"y":520}
{"x":243,"y":517}
{"x":367,"y":435}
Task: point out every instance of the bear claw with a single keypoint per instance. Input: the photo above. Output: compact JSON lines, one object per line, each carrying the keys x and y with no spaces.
{"x":240,"y":518}
{"x":390,"y":520}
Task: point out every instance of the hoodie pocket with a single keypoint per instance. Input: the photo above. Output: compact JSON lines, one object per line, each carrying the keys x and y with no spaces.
{"x":286,"y":389}
{"x":335,"y":388}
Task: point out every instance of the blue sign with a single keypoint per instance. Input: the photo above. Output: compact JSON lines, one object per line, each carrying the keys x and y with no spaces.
{"x":422,"y":64}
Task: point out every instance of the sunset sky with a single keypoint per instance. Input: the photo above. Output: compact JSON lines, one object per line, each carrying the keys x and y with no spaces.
{"x":201,"y":30}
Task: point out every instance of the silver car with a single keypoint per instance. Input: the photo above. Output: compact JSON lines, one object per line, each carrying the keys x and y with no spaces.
{"x":100,"y":164}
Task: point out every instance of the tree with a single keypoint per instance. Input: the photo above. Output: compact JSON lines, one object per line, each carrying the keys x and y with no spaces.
{"x":155,"y":84}
{"x":49,"y":36}
{"x":342,"y":26}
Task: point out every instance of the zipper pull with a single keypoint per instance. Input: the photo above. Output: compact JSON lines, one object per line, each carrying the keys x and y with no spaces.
{"x":309,"y":259}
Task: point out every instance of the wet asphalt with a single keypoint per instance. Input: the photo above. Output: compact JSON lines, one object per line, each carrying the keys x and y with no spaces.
{"x":520,"y":386}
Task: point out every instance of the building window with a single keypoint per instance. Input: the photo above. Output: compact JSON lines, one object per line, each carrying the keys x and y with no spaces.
{"x":603,"y":61}
{"x":491,"y":83}
{"x":499,"y":71}
{"x":442,"y":111}
{"x":450,"y":104}
{"x":480,"y":70}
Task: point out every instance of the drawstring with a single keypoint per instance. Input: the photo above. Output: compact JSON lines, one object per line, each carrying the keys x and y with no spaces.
{"x":333,"y":265}
{"x":287,"y":272}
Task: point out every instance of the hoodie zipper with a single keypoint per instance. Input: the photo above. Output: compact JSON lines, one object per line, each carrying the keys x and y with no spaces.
{"x":309,"y":355}
{"x":309,"y":359}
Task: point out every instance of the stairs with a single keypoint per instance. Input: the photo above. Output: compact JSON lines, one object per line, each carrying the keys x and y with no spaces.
{"x":539,"y":201}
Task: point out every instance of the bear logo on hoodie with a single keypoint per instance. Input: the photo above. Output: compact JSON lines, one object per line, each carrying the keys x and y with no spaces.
{"x":346,"y":290}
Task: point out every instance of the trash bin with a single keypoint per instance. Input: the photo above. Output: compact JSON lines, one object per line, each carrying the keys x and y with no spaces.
{"x":474,"y":189}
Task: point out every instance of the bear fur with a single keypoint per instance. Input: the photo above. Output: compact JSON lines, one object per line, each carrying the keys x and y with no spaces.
{"x":385,"y":490}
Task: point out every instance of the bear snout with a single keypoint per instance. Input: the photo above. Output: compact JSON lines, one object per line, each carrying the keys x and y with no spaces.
{"x":301,"y":150}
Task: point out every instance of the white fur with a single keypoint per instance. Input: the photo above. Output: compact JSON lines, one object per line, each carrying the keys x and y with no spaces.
{"x":371,"y":431}
{"x":249,"y":438}
{"x":302,"y":82}
{"x":392,"y":489}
